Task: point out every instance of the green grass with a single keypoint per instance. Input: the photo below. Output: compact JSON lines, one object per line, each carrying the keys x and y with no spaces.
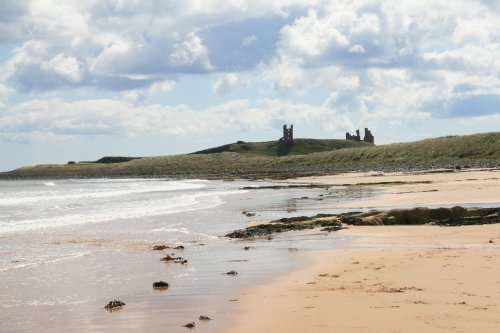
{"x":457,"y":149}
{"x":300,"y":147}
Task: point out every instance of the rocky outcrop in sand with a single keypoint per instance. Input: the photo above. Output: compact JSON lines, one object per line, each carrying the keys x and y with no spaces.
{"x":421,"y":215}
{"x":453,"y":216}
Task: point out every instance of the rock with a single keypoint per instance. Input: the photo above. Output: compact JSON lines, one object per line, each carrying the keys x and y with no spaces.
{"x":454,"y":216}
{"x":180,"y":260}
{"x":160,"y":247}
{"x":167,"y":258}
{"x":179,"y":247}
{"x":246,"y":248}
{"x":330,"y":229}
{"x":160,"y":285}
{"x":177,"y":260}
{"x":419,"y":215}
{"x":204,"y":318}
{"x":232,"y":273}
{"x":249,"y":214}
{"x":190,"y":325}
{"x":114,"y":305}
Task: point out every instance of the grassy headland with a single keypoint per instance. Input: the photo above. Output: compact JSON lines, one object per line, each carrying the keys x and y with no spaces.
{"x":272,"y":148}
{"x":476,"y":150}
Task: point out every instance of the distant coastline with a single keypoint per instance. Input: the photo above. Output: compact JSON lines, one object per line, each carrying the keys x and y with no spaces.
{"x":254,"y":162}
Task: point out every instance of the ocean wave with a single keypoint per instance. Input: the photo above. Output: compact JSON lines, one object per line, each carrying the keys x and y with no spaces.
{"x":183,"y":231}
{"x":94,"y":192}
{"x":52,"y":216}
{"x":45,"y":261}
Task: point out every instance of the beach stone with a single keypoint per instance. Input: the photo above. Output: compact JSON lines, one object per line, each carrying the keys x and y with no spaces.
{"x":177,"y":260}
{"x":114,"y":305}
{"x":459,"y":212}
{"x":160,"y":285}
{"x":190,"y":325}
{"x":160,"y":247}
{"x":204,"y":318}
{"x":179,"y":247}
{"x":232,"y":273}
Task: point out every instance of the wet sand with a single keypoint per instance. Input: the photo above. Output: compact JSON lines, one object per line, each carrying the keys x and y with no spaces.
{"x":392,"y":278}
{"x":419,"y":189}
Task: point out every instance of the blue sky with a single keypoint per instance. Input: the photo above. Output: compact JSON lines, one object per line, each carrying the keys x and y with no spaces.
{"x":83,"y":79}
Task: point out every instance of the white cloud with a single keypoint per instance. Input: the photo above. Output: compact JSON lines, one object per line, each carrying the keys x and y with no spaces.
{"x":361,"y":61}
{"x":68,"y":68}
{"x":55,"y":119}
{"x":189,"y":52}
{"x":247,"y":41}
{"x":358,"y":49}
{"x":5,"y":91}
{"x":144,"y":94}
{"x":226,"y":83}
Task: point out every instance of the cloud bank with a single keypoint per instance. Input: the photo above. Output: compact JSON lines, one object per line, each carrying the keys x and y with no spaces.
{"x":107,"y":68}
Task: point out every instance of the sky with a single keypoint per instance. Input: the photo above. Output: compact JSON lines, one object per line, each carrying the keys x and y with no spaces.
{"x":84,"y":79}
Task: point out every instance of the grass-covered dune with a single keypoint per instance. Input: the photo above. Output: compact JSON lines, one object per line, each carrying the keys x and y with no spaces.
{"x":477,"y":150}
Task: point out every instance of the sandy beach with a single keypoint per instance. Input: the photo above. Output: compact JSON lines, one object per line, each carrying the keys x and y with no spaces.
{"x":420,"y":188}
{"x":392,"y":278}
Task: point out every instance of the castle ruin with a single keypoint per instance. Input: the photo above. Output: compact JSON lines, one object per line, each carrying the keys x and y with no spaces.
{"x":287,"y":135}
{"x":368,"y":136}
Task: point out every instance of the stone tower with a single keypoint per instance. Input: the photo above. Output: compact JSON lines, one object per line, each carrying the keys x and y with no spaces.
{"x":368,"y":136}
{"x":287,"y":134}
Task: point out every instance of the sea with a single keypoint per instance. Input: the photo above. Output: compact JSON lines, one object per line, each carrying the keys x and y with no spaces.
{"x":68,"y":247}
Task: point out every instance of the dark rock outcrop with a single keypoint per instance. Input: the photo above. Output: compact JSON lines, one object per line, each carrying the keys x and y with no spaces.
{"x":287,"y":224}
{"x":414,"y":216}
{"x":453,"y":216}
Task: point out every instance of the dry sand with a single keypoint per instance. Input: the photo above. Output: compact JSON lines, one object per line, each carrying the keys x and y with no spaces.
{"x":393,"y":278}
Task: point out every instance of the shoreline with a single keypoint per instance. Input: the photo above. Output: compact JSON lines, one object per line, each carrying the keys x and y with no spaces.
{"x":118,"y":171}
{"x":392,"y":278}
{"x":304,"y":249}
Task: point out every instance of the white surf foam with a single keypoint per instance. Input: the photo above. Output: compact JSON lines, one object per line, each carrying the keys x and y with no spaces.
{"x":94,"y":192}
{"x":113,"y":210}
